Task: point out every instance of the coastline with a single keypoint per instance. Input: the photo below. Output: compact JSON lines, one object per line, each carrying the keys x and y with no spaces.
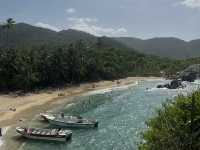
{"x":31,"y":104}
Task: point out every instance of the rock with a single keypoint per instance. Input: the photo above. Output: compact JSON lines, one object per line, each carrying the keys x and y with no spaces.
{"x":175,"y":84}
{"x":160,"y":86}
{"x":191,"y":73}
{"x":190,"y":77}
{"x":61,"y":94}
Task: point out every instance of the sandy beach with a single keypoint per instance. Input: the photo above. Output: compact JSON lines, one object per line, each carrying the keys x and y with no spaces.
{"x":29,"y":105}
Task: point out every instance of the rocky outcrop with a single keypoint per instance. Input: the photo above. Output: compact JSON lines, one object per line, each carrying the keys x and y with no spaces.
{"x":191,"y":73}
{"x":190,"y":77}
{"x":174,"y":84}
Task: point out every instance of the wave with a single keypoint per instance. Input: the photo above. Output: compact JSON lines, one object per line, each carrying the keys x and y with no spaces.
{"x":4,"y":130}
{"x":159,"y":79}
{"x":103,"y":91}
{"x":156,"y":89}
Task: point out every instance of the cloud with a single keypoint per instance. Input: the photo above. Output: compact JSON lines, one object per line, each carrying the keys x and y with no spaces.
{"x":89,"y":20}
{"x":191,"y":3}
{"x":90,"y":25}
{"x":47,"y":26}
{"x":71,"y":10}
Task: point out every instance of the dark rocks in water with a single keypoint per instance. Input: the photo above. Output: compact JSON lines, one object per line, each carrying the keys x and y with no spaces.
{"x":191,"y":73}
{"x":175,"y":84}
{"x":190,"y":77}
{"x":161,"y":86}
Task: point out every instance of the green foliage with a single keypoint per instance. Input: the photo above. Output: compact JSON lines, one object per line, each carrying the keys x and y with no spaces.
{"x":55,"y":65}
{"x":176,"y":126}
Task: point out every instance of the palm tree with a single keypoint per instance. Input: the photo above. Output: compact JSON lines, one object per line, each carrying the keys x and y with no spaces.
{"x":1,"y":32}
{"x":8,"y":25}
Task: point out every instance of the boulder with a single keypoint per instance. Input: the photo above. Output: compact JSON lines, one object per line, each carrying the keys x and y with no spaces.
{"x":190,"y":77}
{"x":174,"y":84}
{"x":160,"y":86}
{"x":191,"y":73}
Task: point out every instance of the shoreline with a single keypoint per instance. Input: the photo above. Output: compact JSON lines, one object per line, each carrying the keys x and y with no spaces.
{"x":31,"y":104}
{"x":51,"y":99}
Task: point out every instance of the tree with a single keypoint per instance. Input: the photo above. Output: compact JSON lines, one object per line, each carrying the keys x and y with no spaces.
{"x":73,"y":63}
{"x":7,"y":26}
{"x":1,"y":32}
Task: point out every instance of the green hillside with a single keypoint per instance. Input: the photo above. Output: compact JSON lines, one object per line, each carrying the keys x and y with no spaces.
{"x":25,"y":36}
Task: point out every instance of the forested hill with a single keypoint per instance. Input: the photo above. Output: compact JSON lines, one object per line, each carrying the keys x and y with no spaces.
{"x":25,"y":36}
{"x":164,"y":47}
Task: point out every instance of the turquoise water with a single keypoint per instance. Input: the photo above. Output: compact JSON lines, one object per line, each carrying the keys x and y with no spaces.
{"x":121,"y":114}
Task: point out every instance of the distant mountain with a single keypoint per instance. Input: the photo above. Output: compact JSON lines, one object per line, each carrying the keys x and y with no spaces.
{"x":25,"y":35}
{"x":164,"y":47}
{"x":194,"y":48}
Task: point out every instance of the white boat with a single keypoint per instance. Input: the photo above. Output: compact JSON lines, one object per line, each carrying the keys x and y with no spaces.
{"x":69,"y":121}
{"x":45,"y":134}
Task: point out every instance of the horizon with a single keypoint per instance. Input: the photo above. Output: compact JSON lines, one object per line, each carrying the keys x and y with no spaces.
{"x":120,"y":18}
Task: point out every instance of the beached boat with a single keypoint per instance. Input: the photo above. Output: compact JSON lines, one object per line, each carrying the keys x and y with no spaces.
{"x":69,"y":121}
{"x":45,"y":134}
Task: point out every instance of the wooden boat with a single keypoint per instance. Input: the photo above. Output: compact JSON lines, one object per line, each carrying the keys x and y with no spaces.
{"x":69,"y":121}
{"x":45,"y":134}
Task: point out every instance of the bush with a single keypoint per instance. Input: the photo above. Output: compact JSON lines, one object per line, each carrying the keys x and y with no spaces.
{"x":176,"y":126}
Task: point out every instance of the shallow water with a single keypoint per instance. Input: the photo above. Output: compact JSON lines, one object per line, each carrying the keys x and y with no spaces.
{"x":121,"y":114}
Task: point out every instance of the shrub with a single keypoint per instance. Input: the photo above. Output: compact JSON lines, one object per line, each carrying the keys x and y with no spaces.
{"x":176,"y":125}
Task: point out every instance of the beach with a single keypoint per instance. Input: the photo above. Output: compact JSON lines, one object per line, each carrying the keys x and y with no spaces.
{"x":31,"y":103}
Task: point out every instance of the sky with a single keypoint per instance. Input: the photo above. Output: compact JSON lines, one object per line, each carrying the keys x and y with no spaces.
{"x":135,"y":18}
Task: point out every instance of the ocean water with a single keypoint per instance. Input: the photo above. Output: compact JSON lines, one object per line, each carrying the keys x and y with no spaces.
{"x":121,"y":114}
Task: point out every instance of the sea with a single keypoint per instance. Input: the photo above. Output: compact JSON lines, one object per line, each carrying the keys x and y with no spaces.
{"x":121,"y":112}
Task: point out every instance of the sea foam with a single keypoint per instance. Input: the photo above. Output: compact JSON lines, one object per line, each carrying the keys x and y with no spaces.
{"x":120,"y":87}
{"x":4,"y":130}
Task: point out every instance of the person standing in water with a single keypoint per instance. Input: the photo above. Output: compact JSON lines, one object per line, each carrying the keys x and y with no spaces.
{"x":0,"y":132}
{"x":62,"y":115}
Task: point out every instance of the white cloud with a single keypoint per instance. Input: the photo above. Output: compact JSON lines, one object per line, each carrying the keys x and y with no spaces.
{"x":47,"y":26}
{"x":89,"y":25}
{"x":89,"y":20}
{"x":191,"y":3}
{"x":71,"y":10}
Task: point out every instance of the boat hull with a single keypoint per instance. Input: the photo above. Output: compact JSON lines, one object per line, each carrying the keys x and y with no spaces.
{"x":46,"y":138}
{"x":72,"y":125}
{"x":62,"y":138}
{"x":66,"y":121}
